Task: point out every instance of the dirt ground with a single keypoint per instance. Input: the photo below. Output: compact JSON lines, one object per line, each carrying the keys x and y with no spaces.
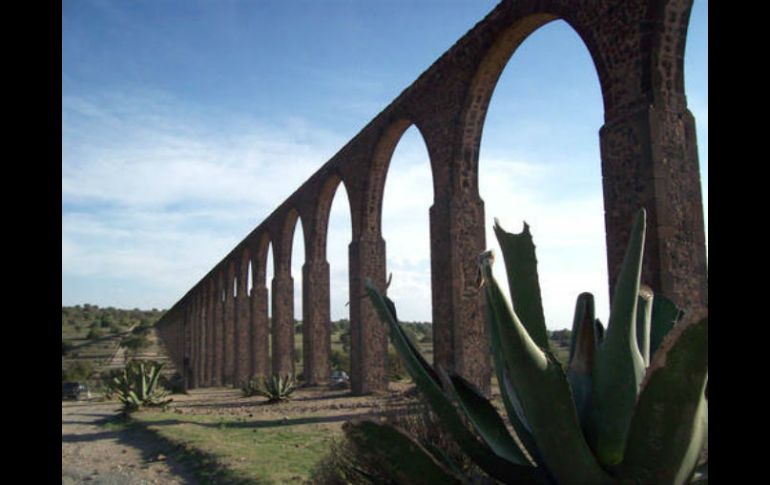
{"x":112,"y":455}
{"x":95,"y":454}
{"x":332,"y":403}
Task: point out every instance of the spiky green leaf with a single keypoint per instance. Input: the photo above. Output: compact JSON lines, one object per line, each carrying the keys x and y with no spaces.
{"x":521,"y":266}
{"x":544,"y":394}
{"x":665,"y":314}
{"x":644,"y":322}
{"x":430,"y":388}
{"x":508,"y":393}
{"x":484,"y":418}
{"x":599,"y":332}
{"x":669,"y":426}
{"x":619,"y":366}
{"x":582,"y":354}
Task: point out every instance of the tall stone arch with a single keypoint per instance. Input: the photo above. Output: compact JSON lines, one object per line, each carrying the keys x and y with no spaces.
{"x":242,"y":371}
{"x":260,"y":323}
{"x":638,"y":52}
{"x":283,"y":294}
{"x":648,"y":153}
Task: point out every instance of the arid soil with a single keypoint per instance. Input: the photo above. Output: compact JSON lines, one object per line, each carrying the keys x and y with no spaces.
{"x":336,"y":404}
{"x":111,"y":455}
{"x":95,"y":453}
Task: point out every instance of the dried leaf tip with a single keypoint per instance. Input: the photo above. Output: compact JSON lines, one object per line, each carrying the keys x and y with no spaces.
{"x":487,"y":258}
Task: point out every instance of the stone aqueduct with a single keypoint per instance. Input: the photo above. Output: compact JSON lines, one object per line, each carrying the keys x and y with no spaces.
{"x":219,"y":334}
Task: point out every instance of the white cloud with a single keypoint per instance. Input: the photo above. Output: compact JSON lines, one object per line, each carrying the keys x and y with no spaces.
{"x":151,"y":196}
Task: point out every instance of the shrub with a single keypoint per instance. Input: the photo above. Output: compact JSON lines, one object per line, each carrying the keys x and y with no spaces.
{"x":173,"y":384}
{"x":135,"y":343}
{"x":396,"y":369}
{"x":141,"y":330}
{"x":275,"y":388}
{"x":95,"y":333}
{"x":340,"y":361}
{"x":138,"y":386}
{"x":79,"y":370}
{"x":351,"y":460}
{"x":345,"y":340}
{"x":250,"y":387}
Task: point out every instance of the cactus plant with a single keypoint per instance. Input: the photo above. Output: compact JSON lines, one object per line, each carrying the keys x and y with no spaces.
{"x":138,"y":387}
{"x":275,"y":388}
{"x":630,"y":407}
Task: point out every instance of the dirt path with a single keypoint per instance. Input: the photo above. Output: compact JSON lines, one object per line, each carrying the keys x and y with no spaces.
{"x":113,"y":454}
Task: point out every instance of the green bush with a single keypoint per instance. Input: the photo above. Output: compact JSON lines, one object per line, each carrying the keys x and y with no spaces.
{"x":138,"y":386}
{"x":135,"y":343}
{"x":275,"y":389}
{"x":395,"y":368}
{"x":340,"y":361}
{"x":354,"y":461}
{"x":80,"y":370}
{"x":173,"y":384}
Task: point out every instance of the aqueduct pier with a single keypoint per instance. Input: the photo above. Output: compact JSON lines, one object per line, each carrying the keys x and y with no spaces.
{"x":219,"y":332}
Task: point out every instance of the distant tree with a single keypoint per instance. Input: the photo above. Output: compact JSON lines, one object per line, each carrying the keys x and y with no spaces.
{"x":341,"y":326}
{"x":340,"y":360}
{"x":141,"y":330}
{"x":79,"y":371}
{"x":427,"y":335}
{"x":562,"y":337}
{"x":135,"y":343}
{"x":345,"y":341}
{"x":107,"y":319}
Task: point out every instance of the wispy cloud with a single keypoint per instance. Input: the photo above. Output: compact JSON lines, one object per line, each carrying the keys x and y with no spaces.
{"x":148,"y":194}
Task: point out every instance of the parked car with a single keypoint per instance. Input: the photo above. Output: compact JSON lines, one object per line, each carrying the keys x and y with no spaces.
{"x":75,"y":390}
{"x":339,"y":377}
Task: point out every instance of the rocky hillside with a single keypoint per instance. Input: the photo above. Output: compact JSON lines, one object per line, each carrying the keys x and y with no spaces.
{"x":96,"y":340}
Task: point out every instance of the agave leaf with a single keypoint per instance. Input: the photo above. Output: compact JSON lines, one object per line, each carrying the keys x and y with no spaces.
{"x":444,"y":458}
{"x":143,"y":377}
{"x":582,"y":354}
{"x":599,"y":332}
{"x":154,"y":376}
{"x":665,"y":314}
{"x":521,"y":266}
{"x":133,"y":398}
{"x":406,"y":460}
{"x":670,"y":423}
{"x":544,"y":394}
{"x":484,"y":418}
{"x":619,"y":366}
{"x":644,"y":322}
{"x":430,"y":388}
{"x":507,"y":391}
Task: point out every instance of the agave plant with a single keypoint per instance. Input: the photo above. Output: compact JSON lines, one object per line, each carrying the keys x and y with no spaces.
{"x":249,"y":387}
{"x":138,"y":386}
{"x":275,"y":388}
{"x":630,"y":408}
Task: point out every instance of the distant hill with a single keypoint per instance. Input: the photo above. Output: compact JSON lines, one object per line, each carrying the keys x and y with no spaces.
{"x":91,"y":338}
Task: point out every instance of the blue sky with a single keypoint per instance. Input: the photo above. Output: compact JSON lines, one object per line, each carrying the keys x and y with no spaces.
{"x":184,"y":124}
